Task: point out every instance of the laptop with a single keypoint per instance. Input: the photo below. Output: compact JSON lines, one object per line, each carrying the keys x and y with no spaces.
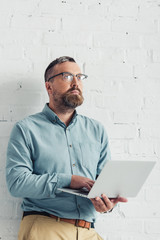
{"x":117,"y":178}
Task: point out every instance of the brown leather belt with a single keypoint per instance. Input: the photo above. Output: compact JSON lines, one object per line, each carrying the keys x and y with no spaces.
{"x":76,"y":222}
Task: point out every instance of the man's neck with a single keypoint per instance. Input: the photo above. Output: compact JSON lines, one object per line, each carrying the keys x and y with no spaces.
{"x":65,"y":115}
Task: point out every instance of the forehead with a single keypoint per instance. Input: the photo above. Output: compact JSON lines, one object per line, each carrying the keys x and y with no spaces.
{"x":71,"y":67}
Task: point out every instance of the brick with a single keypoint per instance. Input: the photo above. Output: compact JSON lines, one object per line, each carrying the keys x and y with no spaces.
{"x":17,"y":213}
{"x":2,"y":176}
{"x":151,"y":88}
{"x":123,"y":9}
{"x":153,"y":70}
{"x":18,"y":67}
{"x":5,"y":20}
{"x":96,"y":8}
{"x":156,"y":148}
{"x":134,"y":25}
{"x":146,"y":132}
{"x":68,"y":39}
{"x":6,"y":237}
{"x":112,"y":70}
{"x":5,"y":129}
{"x":28,"y":22}
{"x":149,"y":10}
{"x":6,"y":209}
{"x":156,"y":56}
{"x":141,"y":209}
{"x":141,"y":147}
{"x":135,"y":236}
{"x":3,"y":144}
{"x":62,"y":8}
{"x":125,"y":117}
{"x":119,"y":225}
{"x":152,"y":226}
{"x":118,"y":146}
{"x":12,"y":52}
{"x":121,"y":40}
{"x":4,"y":113}
{"x":61,"y":51}
{"x":138,"y":56}
{"x":150,"y":41}
{"x":18,"y":6}
{"x":27,"y":83}
{"x":37,"y":73}
{"x":153,"y":194}
{"x":20,"y":112}
{"x":22,"y":98}
{"x":36,"y":52}
{"x":149,"y":71}
{"x":9,"y":227}
{"x":83,"y":23}
{"x":97,"y":57}
{"x":16,"y":36}
{"x":119,"y":131}
{"x":149,"y":116}
{"x":154,"y":178}
{"x":4,"y":193}
{"x":129,"y":103}
{"x":151,"y":102}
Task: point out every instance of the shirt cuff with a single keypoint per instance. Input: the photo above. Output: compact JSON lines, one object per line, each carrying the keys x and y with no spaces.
{"x":64,"y":180}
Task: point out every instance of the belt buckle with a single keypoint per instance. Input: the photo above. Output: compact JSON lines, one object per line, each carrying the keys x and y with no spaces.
{"x":81,"y":223}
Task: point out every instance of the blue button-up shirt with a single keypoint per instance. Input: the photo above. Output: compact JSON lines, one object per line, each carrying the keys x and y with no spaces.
{"x":43,"y":154}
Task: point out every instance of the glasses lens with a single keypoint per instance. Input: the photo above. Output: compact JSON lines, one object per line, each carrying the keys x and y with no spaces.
{"x":67,"y":77}
{"x":81,"y":77}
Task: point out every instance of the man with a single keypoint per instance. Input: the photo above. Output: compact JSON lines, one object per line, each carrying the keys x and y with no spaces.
{"x":58,"y":148}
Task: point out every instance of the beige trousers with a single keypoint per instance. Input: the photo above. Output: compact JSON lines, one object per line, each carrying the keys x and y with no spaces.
{"x":37,"y":227}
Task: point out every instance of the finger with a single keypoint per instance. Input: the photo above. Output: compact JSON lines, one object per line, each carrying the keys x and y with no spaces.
{"x":121,"y":199}
{"x":102,"y":204}
{"x":107,"y":201}
{"x":88,"y":186}
{"x":118,"y":199}
{"x":91,"y":182}
{"x":99,"y":204}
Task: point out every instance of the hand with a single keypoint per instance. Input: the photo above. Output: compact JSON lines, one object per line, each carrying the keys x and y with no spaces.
{"x":80,"y":182}
{"x":105,"y":204}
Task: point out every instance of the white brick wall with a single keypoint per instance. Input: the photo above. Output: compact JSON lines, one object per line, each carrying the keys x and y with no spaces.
{"x":118,"y":44}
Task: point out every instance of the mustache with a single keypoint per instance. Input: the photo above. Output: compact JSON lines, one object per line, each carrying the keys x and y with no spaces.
{"x":74,"y":88}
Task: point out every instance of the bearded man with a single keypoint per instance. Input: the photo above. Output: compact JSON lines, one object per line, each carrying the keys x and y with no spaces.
{"x":53,"y":149}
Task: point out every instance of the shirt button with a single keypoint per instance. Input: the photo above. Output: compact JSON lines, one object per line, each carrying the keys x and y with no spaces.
{"x":70,"y":145}
{"x":73,"y":164}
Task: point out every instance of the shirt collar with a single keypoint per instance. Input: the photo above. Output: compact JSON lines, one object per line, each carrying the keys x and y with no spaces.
{"x":53,"y":117}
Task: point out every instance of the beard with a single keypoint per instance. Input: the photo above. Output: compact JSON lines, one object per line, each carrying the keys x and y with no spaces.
{"x":72,"y":100}
{"x":68,"y":100}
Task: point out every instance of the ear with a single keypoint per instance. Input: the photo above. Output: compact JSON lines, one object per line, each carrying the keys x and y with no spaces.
{"x":48,"y":87}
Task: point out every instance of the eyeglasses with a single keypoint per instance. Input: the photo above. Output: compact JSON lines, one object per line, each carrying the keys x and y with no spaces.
{"x":68,"y":77}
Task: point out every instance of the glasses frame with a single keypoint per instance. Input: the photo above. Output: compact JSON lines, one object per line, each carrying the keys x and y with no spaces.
{"x":68,"y":73}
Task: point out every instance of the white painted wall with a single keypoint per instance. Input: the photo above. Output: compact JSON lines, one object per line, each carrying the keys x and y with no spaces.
{"x":117,"y":43}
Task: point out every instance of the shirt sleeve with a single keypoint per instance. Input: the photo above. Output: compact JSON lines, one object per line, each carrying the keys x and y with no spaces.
{"x":20,"y":177}
{"x":105,"y":154}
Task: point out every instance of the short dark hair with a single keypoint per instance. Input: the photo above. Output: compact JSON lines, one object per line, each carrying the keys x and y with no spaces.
{"x":55,"y":62}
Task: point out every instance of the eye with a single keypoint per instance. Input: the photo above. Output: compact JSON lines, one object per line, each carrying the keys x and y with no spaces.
{"x":67,"y":76}
{"x":81,"y":77}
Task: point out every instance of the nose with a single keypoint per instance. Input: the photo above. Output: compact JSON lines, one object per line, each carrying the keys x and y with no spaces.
{"x":75,"y":82}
